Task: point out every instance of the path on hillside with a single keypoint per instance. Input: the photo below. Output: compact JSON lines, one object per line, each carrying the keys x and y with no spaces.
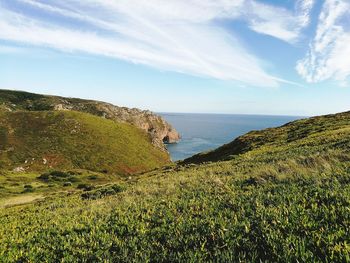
{"x":19,"y":200}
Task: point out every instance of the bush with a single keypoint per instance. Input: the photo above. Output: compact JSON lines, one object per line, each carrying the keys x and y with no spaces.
{"x":81,"y":186}
{"x":93,"y":177}
{"x":44,"y":176}
{"x":74,"y":179}
{"x":28,"y":189}
{"x":102,"y":192}
{"x":54,"y":175}
{"x":59,"y":174}
{"x":85,"y":187}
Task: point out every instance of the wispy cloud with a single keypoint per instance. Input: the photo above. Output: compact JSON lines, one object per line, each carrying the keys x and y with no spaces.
{"x":5,"y":49}
{"x":328,"y":57}
{"x":303,"y":10}
{"x":280,"y":22}
{"x":176,"y":35}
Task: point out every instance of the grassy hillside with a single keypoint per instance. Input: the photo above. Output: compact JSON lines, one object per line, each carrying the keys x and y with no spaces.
{"x":284,"y":197}
{"x":157,"y":128}
{"x":38,"y":141}
{"x":309,"y":135}
{"x":21,"y":100}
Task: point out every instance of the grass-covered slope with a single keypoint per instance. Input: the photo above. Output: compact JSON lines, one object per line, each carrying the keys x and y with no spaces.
{"x":36,"y":141}
{"x":283,"y":200}
{"x":186,"y":217}
{"x":158,"y":129}
{"x":310,"y":135}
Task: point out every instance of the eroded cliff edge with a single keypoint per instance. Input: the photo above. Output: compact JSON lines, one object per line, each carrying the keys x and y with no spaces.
{"x":158,"y":129}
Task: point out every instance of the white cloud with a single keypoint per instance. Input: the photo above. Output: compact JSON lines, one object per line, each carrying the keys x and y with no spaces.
{"x":196,"y":11}
{"x":303,"y":9}
{"x":328,"y":57}
{"x":280,"y":22}
{"x":5,"y":49}
{"x":176,"y":35}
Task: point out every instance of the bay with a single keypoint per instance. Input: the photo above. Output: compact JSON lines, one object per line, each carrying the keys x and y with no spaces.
{"x":203,"y":132}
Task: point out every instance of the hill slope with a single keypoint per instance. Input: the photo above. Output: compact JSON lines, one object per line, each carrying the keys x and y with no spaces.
{"x":67,"y":139}
{"x":314,"y":134}
{"x":159,"y":130}
{"x":283,"y":197}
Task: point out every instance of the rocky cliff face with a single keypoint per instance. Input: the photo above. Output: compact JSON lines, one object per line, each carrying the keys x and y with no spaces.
{"x":158,"y":129}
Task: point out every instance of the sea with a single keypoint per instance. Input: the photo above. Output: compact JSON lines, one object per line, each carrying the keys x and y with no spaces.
{"x":203,"y":132}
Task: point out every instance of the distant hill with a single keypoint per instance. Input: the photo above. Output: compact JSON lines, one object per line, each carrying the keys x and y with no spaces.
{"x":159,"y":130}
{"x":42,"y":140}
{"x":311,"y":135}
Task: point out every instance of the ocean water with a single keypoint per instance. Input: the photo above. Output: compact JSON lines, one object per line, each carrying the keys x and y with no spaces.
{"x":203,"y":132}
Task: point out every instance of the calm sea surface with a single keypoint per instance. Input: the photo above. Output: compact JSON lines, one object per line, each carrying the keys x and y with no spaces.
{"x":202,"y":132}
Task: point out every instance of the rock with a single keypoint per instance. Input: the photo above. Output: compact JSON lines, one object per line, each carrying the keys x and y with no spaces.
{"x":19,"y":169}
{"x":58,"y":107}
{"x":171,"y":137}
{"x":159,"y":130}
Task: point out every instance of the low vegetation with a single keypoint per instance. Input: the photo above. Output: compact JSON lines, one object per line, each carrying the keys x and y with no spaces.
{"x":14,"y":184}
{"x":39,"y":141}
{"x":155,"y":126}
{"x":309,"y":135}
{"x":283,"y":197}
{"x":101,"y":192}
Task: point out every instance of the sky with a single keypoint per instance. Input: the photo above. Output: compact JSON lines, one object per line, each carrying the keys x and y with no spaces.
{"x":276,"y":57}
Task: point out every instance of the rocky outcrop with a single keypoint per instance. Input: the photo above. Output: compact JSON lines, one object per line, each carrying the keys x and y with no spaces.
{"x":159,"y":130}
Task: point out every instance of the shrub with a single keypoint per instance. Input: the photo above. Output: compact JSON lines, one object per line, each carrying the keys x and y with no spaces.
{"x":44,"y":176}
{"x":85,"y":187}
{"x":74,"y":179}
{"x":54,"y":175}
{"x":59,"y":174}
{"x":93,"y":177}
{"x":102,"y":192}
{"x":251,"y":181}
{"x":28,"y":189}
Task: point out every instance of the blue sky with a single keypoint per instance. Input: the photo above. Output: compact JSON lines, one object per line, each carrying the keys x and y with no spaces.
{"x":207,"y":56}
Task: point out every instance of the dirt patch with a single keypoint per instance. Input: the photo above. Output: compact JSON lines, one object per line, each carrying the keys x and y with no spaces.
{"x":19,"y":200}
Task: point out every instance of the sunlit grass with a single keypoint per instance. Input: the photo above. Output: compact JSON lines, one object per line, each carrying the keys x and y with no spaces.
{"x":281,"y":201}
{"x":38,"y":141}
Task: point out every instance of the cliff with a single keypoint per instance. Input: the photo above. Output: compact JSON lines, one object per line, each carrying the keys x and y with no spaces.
{"x":158,"y":129}
{"x":45,"y":140}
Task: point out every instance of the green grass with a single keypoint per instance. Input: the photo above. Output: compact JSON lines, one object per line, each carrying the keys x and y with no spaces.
{"x":310,"y":135}
{"x":11,"y":100}
{"x":14,"y":185}
{"x":45,"y":140}
{"x":20,"y":100}
{"x":284,"y":198}
{"x":199,"y":214}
